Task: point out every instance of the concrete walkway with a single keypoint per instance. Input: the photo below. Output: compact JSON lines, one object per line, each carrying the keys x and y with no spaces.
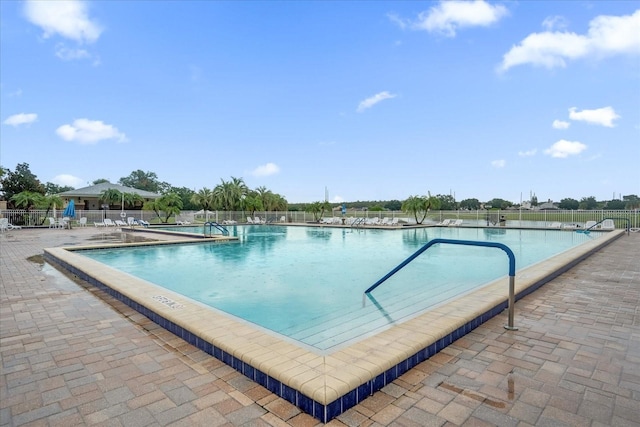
{"x":71,"y":355}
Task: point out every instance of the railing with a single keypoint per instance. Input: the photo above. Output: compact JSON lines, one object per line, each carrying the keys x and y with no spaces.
{"x":219,"y":227}
{"x":510,"y":254}
{"x":514,"y":218}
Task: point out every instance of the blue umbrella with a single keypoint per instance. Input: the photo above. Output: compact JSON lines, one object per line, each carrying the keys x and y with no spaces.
{"x":70,"y":210}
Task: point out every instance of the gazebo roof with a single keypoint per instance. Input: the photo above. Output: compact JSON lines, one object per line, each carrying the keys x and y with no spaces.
{"x":98,"y":189}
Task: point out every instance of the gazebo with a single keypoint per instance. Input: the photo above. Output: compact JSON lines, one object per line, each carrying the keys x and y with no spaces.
{"x":88,"y":198}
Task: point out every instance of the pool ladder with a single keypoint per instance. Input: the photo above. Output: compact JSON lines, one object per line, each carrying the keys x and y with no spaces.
{"x":512,"y":269}
{"x":214,"y":224}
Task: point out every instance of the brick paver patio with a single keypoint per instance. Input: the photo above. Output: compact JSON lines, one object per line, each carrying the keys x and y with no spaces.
{"x":71,"y":355}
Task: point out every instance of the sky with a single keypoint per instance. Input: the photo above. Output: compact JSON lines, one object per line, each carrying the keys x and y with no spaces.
{"x":357,"y":100}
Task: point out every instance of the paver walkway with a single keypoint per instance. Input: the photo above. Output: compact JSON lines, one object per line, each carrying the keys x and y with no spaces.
{"x":72,"y":355}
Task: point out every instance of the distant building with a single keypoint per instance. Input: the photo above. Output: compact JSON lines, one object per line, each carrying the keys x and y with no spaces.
{"x":88,"y":198}
{"x":546,"y":206}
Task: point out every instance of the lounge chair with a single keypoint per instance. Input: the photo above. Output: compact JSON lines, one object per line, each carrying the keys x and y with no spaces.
{"x":456,"y":223}
{"x":394,"y":222}
{"x":142,"y":222}
{"x":109,"y":222}
{"x":182,"y":222}
{"x":257,"y":220}
{"x":82,"y":222}
{"x":120,"y":223}
{"x":249,"y":220}
{"x":283,"y":219}
{"x":6,"y":225}
{"x":99,"y":224}
{"x":589,"y":225}
{"x":385,"y":221}
{"x":608,"y":224}
{"x":556,"y":225}
{"x":444,"y":222}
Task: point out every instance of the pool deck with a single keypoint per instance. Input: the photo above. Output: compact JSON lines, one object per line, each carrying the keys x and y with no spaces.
{"x":73,"y":355}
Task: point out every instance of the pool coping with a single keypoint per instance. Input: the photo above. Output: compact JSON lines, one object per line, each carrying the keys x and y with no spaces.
{"x":322,"y":385}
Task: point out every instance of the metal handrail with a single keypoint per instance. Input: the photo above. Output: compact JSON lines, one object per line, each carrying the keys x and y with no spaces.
{"x":222,"y":228}
{"x":509,"y":252}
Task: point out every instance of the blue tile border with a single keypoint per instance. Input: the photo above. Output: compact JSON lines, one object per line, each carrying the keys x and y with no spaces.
{"x":322,"y":412}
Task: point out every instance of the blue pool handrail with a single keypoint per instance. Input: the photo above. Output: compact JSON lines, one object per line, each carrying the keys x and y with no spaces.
{"x":505,"y":248}
{"x":220,"y":227}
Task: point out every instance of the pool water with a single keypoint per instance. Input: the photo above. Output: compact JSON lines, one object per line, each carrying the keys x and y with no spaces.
{"x":307,"y":283}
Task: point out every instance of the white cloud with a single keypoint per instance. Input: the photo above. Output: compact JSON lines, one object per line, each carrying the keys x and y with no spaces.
{"x":564,"y":148}
{"x":527,"y":153}
{"x":607,"y":35}
{"x":551,"y":23}
{"x":21,"y":119}
{"x":67,"y":18}
{"x":449,"y":16}
{"x":337,"y":199}
{"x":68,"y":180}
{"x":69,"y":54}
{"x":397,"y":20}
{"x":266,"y":170}
{"x":87,"y":131}
{"x":373,"y":100}
{"x":560,"y":124}
{"x":600,"y":116}
{"x":498,"y":163}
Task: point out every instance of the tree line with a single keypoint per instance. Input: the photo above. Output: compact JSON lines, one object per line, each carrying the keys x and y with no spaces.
{"x":22,"y":188}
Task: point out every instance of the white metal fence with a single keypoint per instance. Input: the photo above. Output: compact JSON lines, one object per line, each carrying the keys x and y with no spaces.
{"x":515,"y":218}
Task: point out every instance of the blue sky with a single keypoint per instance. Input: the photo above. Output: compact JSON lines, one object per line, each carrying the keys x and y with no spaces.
{"x":370,"y":100}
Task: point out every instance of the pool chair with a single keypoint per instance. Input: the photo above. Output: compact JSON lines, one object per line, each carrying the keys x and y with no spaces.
{"x":556,"y":225}
{"x":109,"y":222}
{"x":82,"y":222}
{"x":99,"y":224}
{"x":182,"y":222}
{"x":120,"y":223}
{"x":608,"y":224}
{"x":257,"y":220}
{"x":444,"y":222}
{"x":456,"y":223}
{"x":6,"y":225}
{"x":394,"y":222}
{"x":283,"y":219}
{"x":142,"y":222}
{"x":249,"y":220}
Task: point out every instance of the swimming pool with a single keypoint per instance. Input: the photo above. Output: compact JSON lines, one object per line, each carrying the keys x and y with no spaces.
{"x":306,"y":283}
{"x":326,"y":383}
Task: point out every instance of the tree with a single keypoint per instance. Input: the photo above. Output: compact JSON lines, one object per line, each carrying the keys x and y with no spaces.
{"x":51,"y":188}
{"x":185,"y":194}
{"x":147,"y":181}
{"x":447,"y":202}
{"x":588,"y":203}
{"x":470,"y":204}
{"x":616,"y":204}
{"x":498,"y":203}
{"x":22,"y":179}
{"x":569,"y":203}
{"x":318,"y":209}
{"x":169,"y":204}
{"x":111,"y":196}
{"x":229,"y":194}
{"x":631,"y":201}
{"x":534,"y":200}
{"x":50,"y":201}
{"x":27,"y":199}
{"x":204,"y":199}
{"x":393,"y":205}
{"x":419,"y":206}
{"x":131,"y":200}
{"x":99,"y":181}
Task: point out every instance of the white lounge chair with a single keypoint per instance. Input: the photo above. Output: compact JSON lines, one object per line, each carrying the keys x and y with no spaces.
{"x":6,"y":225}
{"x":99,"y":223}
{"x":82,"y":222}
{"x":608,"y":224}
{"x":249,"y":220}
{"x":120,"y":223}
{"x":109,"y":222}
{"x":257,"y":220}
{"x":182,"y":222}
{"x":394,"y":222}
{"x":444,"y":222}
{"x":456,"y":223}
{"x":283,"y":219}
{"x":556,"y":225}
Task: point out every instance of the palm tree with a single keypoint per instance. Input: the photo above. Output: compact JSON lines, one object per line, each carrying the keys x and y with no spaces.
{"x":27,"y":199}
{"x":48,"y":202}
{"x":131,"y":199}
{"x":419,"y":206}
{"x":111,"y":196}
{"x":203,"y":198}
{"x":318,"y":209}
